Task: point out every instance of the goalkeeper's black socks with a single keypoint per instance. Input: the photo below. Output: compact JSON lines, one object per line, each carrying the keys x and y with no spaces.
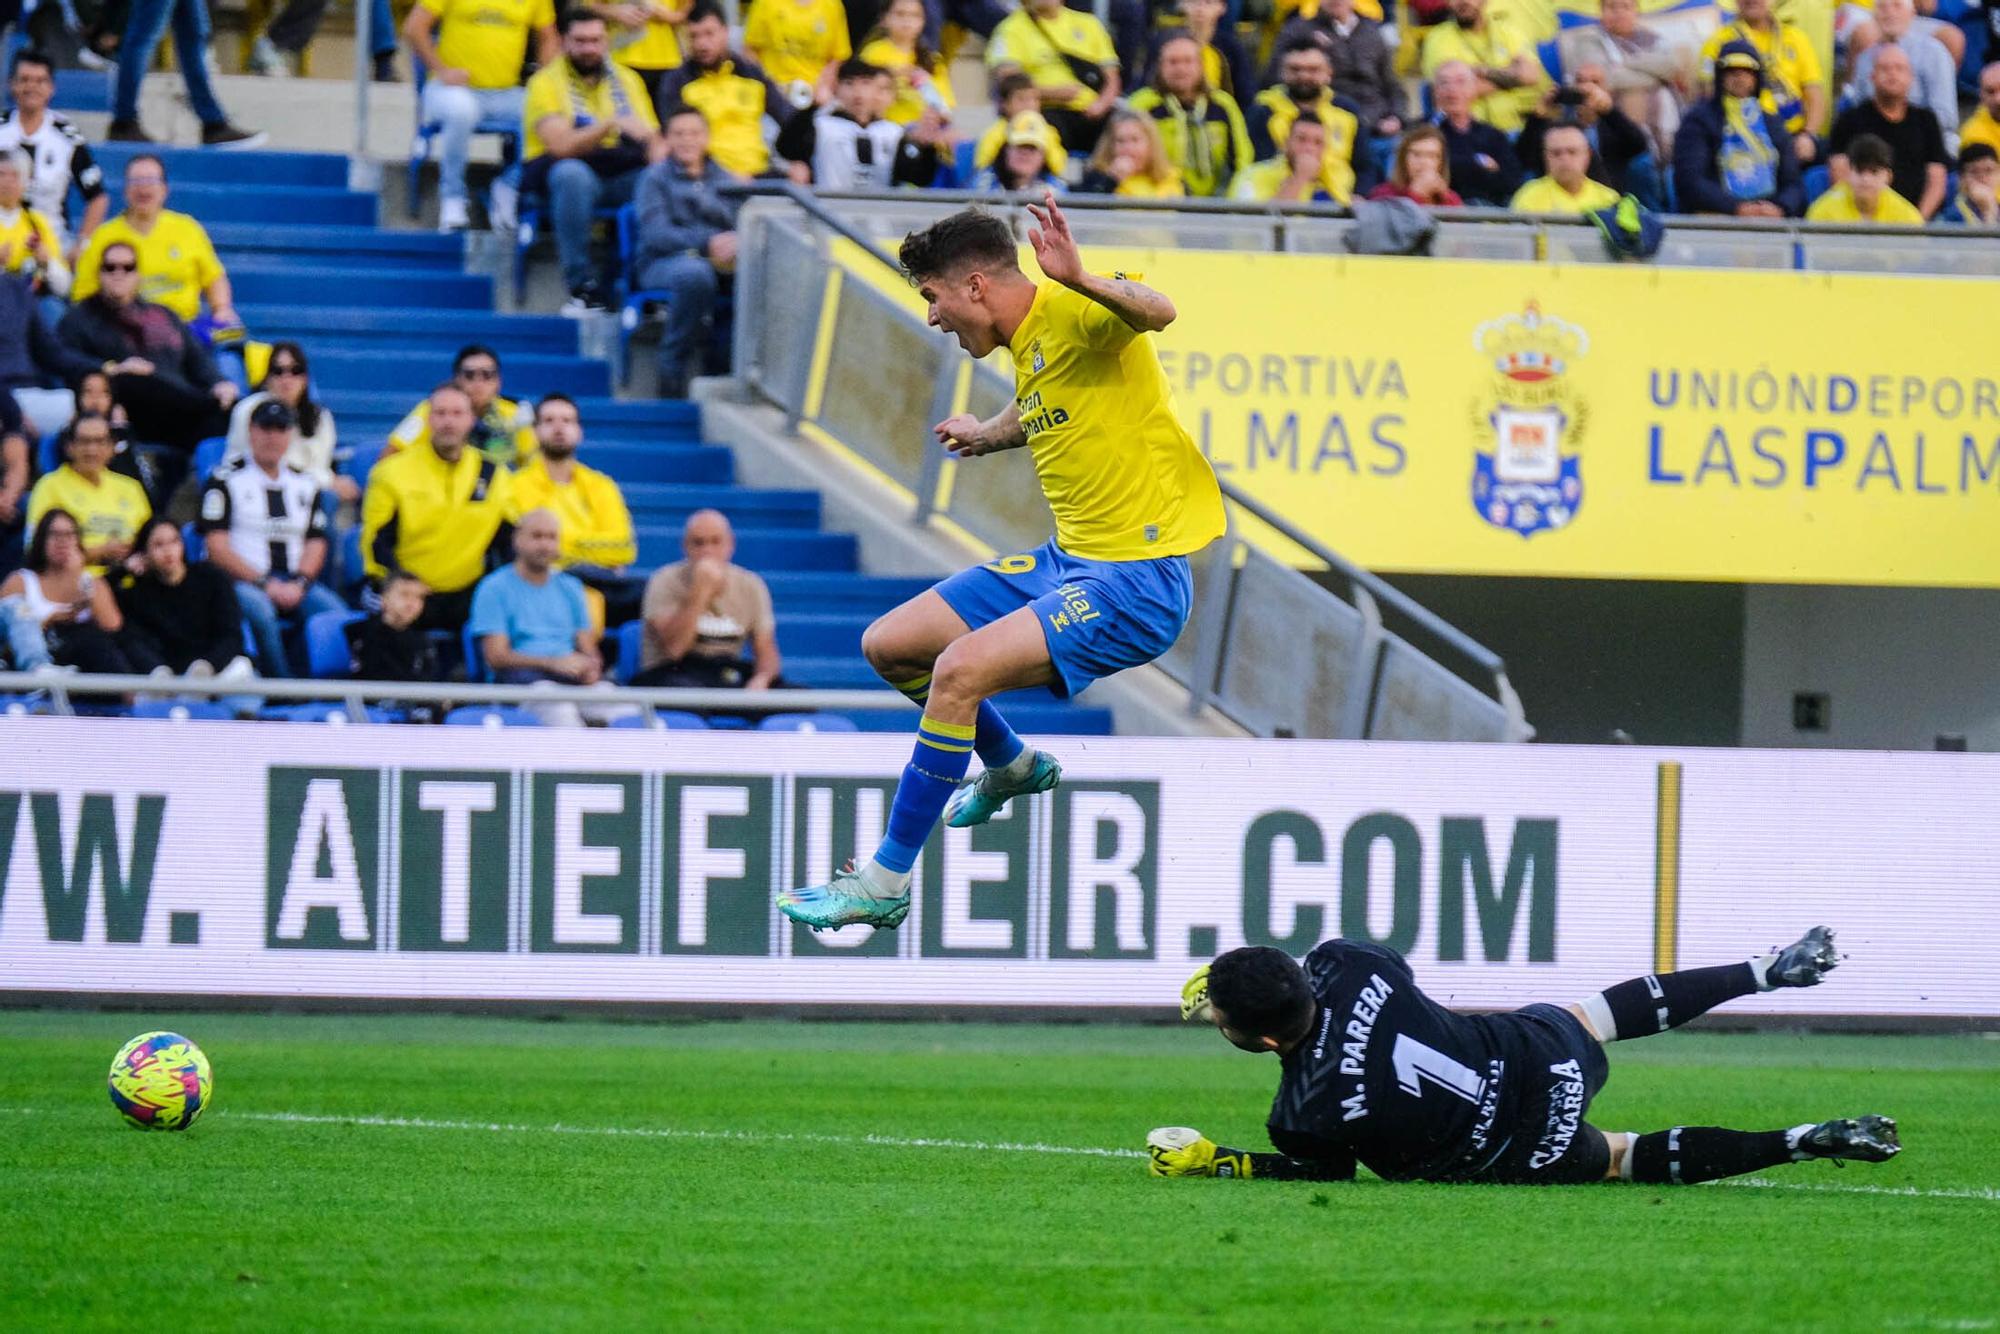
{"x":1660,"y":1001}
{"x":1687,"y":1155}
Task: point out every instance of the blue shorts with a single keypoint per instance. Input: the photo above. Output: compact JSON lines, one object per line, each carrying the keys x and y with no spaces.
{"x":1098,"y":616}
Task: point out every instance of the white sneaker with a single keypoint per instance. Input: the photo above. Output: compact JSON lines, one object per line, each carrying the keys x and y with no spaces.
{"x":503,"y":206}
{"x":453,"y":215}
{"x":266,"y":59}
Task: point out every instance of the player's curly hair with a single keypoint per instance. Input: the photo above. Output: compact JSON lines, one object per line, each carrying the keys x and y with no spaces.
{"x":969,"y":239}
{"x":1262,"y":992}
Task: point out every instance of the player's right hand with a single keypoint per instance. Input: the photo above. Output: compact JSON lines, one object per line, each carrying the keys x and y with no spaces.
{"x":1179,"y":1151}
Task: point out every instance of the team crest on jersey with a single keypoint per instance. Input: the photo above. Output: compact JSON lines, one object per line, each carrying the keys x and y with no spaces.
{"x":1532,"y":479}
{"x":1035,"y":362}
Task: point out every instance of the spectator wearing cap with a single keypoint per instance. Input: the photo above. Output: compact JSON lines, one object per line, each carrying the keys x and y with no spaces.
{"x":1978,"y":178}
{"x":1015,"y":96}
{"x":1914,"y":135}
{"x":265,"y":524}
{"x":1024,"y":163}
{"x":1733,"y":156}
{"x":598,"y":545}
{"x":1794,"y":88}
{"x":1864,"y":195}
{"x":1483,"y":167}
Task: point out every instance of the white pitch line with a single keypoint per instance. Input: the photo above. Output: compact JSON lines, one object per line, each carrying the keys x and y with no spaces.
{"x":1984,"y":1194}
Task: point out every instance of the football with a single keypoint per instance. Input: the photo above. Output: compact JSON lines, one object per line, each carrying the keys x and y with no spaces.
{"x":160,"y":1081}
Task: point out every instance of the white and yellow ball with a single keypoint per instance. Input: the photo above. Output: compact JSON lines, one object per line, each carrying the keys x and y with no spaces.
{"x":161,"y":1081}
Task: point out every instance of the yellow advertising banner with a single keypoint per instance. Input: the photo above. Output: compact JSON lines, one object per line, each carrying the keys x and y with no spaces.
{"x":1622,"y":422}
{"x":1597,"y":421}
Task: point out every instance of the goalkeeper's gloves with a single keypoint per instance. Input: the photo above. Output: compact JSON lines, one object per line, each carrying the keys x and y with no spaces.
{"x":1183,"y":1151}
{"x":1194,"y":996}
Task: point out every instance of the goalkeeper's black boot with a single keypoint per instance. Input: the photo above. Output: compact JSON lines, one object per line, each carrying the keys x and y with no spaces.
{"x":1864,"y":1139}
{"x":1805,"y":962}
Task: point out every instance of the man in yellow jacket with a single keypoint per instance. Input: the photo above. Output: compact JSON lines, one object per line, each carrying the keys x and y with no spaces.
{"x":598,"y":546}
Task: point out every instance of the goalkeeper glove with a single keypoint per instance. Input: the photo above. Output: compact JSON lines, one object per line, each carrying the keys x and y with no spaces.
{"x":1182,"y":1151}
{"x":1194,"y":996}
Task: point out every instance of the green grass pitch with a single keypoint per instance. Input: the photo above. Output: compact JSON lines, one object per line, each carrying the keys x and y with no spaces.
{"x":461,"y":1173}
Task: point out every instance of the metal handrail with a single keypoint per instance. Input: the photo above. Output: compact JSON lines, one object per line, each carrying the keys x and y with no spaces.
{"x":58,"y":687}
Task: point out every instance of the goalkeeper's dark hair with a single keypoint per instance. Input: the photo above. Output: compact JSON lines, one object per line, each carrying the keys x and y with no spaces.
{"x":969,"y":239}
{"x":1262,"y":992}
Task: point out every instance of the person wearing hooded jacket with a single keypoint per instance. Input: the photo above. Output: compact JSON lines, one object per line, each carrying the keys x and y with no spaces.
{"x":1731,"y":155}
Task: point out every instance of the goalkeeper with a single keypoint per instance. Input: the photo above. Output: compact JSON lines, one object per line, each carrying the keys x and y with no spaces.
{"x":1378,"y":1074}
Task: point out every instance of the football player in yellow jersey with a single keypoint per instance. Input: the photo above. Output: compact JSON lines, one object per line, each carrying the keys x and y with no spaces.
{"x":1132,"y":495}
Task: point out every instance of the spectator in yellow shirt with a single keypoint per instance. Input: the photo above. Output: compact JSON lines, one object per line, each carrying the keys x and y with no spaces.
{"x":1983,"y":125}
{"x":645,"y":36}
{"x":1865,"y":194}
{"x":1303,"y":172}
{"x":178,"y":268}
{"x":1567,"y":189}
{"x":472,"y":51}
{"x":443,"y":512}
{"x":1016,"y":95}
{"x":1503,"y":61}
{"x":587,"y":131}
{"x":798,"y":42}
{"x":923,"y":82}
{"x":108,"y":507}
{"x":501,"y":428}
{"x":731,"y":92}
{"x":598,"y":546}
{"x":1132,"y":161}
{"x":27,"y":239}
{"x":1794,"y":86}
{"x":1054,"y":46}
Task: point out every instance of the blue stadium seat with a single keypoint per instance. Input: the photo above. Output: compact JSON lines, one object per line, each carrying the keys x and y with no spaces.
{"x":208,"y":457}
{"x":491,"y":715}
{"x":474,"y":660}
{"x":387,"y":369}
{"x":670,"y":503}
{"x":629,"y":638}
{"x":807,"y":722}
{"x":81,"y":92}
{"x":280,"y":207}
{"x":963,"y":167}
{"x":271,"y":281}
{"x":1551,"y":56}
{"x":823,"y":634}
{"x":327,"y":656}
{"x":322,"y":711}
{"x":335,"y":246}
{"x":191,"y":538}
{"x":50,"y":454}
{"x":439,"y":333}
{"x":760,"y":549}
{"x":182,"y":710}
{"x":360,"y":461}
{"x":674,"y":720}
{"x":204,"y":166}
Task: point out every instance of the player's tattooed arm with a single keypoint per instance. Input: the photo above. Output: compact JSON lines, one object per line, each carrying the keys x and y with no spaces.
{"x":965,"y":436}
{"x":1138,"y":305}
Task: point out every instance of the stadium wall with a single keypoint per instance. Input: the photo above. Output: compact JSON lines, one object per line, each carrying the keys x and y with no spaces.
{"x":403,"y":866}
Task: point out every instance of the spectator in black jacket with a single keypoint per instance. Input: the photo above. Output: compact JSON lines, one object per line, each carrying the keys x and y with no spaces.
{"x":687,"y":248}
{"x":1616,"y":141}
{"x":1483,"y":167}
{"x":160,"y":373}
{"x":1732,"y":156}
{"x":179,"y":615}
{"x":30,"y":356}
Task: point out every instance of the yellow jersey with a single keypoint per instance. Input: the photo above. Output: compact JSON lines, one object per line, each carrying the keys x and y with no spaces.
{"x":795,"y":40}
{"x":1123,"y":477}
{"x":652,"y":46}
{"x":1499,"y":46}
{"x":488,"y":39}
{"x":1790,"y":66}
{"x":994,"y":138}
{"x":1019,"y":40}
{"x":1891,"y":210}
{"x":556,"y":91}
{"x":107,"y":510}
{"x":176,"y":260}
{"x":14,"y":240}
{"x":907,"y":108}
{"x":1140,"y":186}
{"x":596,"y":525}
{"x":505,"y":432}
{"x":1980,"y":128}
{"x":434,"y":519}
{"x":1543,"y":195}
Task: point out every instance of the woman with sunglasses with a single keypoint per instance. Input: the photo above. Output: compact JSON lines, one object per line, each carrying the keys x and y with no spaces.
{"x":287,"y":378}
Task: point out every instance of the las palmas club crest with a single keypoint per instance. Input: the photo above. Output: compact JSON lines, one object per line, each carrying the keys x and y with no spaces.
{"x":1531,"y":480}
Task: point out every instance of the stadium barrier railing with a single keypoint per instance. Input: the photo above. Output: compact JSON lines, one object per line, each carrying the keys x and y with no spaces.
{"x":1366,"y":661}
{"x":56,"y":693}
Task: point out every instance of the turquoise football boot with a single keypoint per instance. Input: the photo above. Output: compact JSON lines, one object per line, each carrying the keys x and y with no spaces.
{"x":846,"y":900}
{"x":976,"y":802}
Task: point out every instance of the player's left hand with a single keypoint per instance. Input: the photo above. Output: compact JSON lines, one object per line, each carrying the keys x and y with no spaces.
{"x":1055,"y":248}
{"x":961,"y":436}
